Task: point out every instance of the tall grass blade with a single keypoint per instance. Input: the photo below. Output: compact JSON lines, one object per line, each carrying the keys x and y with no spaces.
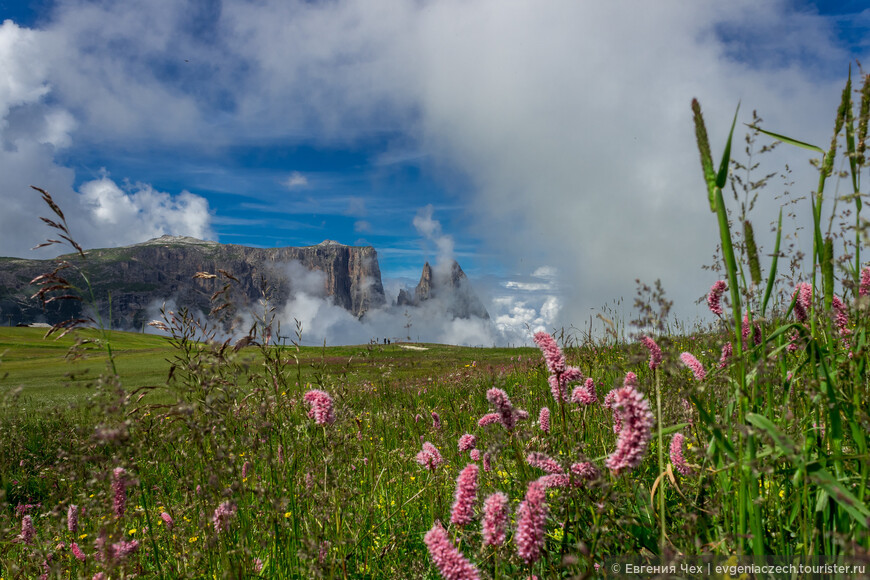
{"x":788,"y":140}
{"x":771,"y":278}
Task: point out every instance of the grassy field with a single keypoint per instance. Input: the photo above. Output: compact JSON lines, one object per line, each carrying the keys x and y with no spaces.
{"x":52,"y":372}
{"x":198,"y":459}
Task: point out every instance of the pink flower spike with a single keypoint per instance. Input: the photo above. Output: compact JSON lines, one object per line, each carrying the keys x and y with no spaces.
{"x":544,"y":419}
{"x":552,"y":353}
{"x":715,"y":295}
{"x":77,"y":552}
{"x":499,"y":399}
{"x":167,"y":520}
{"x":429,"y":457}
{"x":449,"y":561}
{"x":695,"y":365}
{"x":489,"y":419}
{"x":864,"y":288}
{"x":321,"y":407}
{"x":636,"y":419}
{"x":841,"y":316}
{"x":465,"y":496}
{"x":495,"y":519}
{"x":436,"y":421}
{"x":655,"y":353}
{"x":223,"y":515}
{"x":119,"y":490}
{"x":727,"y":353}
{"x":585,"y":471}
{"x":630,"y":380}
{"x":122,"y":549}
{"x":677,"y":455}
{"x":72,"y":518}
{"x":803,"y":294}
{"x":531,"y":520}
{"x":467,"y":442}
{"x":28,"y":532}
{"x":474,"y":454}
{"x":487,"y":462}
{"x":545,"y":462}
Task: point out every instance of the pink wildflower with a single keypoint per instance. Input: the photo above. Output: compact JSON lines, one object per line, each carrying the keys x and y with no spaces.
{"x":554,"y":480}
{"x":744,"y":331}
{"x":119,"y":490}
{"x":487,"y":462}
{"x":584,"y":394}
{"x":258,"y":565}
{"x":545,"y":462}
{"x":804,"y":298}
{"x":585,"y":471}
{"x":280,"y":453}
{"x":559,"y":383}
{"x":609,"y":399}
{"x":715,"y":295}
{"x":222,"y":516}
{"x":429,"y":457}
{"x":417,"y":417}
{"x":544,"y":419}
{"x":864,"y":288}
{"x":246,"y":469}
{"x":467,"y":442}
{"x":637,"y":420}
{"x":695,"y":365}
{"x":552,"y":353}
{"x":677,"y":455}
{"x":99,"y":576}
{"x":630,"y":380}
{"x":436,"y":420}
{"x":167,"y":520}
{"x":655,"y":352}
{"x":449,"y":561}
{"x":77,"y":552}
{"x":122,"y":549}
{"x":27,"y":530}
{"x":727,"y":353}
{"x":465,"y":496}
{"x":474,"y":454}
{"x":841,"y":316}
{"x":321,"y":407}
{"x":495,"y":519}
{"x":489,"y":419}
{"x":531,"y":519}
{"x":499,"y":399}
{"x":72,"y":518}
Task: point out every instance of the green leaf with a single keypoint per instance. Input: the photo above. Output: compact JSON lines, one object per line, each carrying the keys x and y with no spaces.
{"x":781,"y":440}
{"x":788,"y":140}
{"x":772,"y":276}
{"x":835,"y":489}
{"x":722,"y":175}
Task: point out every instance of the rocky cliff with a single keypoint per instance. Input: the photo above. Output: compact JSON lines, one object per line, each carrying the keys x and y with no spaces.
{"x":135,"y":277}
{"x":448,"y":286}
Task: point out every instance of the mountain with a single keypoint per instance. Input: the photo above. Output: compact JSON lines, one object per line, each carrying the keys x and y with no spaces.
{"x":448,"y":286}
{"x":138,"y":276}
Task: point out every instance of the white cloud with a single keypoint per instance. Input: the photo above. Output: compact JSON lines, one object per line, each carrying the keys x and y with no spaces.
{"x":296,"y":179}
{"x":140,"y":213}
{"x":570,"y":120}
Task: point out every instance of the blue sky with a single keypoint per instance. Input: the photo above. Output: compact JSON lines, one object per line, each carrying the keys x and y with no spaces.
{"x":550,"y":144}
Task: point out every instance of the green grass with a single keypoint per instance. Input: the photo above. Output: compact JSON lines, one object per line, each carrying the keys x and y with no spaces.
{"x":51,"y":371}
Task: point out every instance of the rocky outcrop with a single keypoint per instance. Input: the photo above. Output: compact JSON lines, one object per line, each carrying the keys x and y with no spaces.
{"x":128,"y":279}
{"x":448,"y":286}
